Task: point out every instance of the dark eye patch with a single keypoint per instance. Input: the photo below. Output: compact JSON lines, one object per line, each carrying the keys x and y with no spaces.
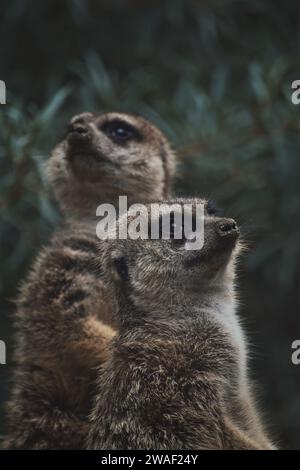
{"x":120,"y":131}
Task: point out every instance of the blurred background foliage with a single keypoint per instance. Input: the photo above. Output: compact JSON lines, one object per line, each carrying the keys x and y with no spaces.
{"x":216,"y":76}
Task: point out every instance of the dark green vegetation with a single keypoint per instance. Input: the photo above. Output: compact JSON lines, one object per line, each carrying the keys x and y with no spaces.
{"x":215,"y":76}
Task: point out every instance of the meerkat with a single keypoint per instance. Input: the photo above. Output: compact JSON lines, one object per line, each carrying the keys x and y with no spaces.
{"x":176,"y":374}
{"x":63,"y":325}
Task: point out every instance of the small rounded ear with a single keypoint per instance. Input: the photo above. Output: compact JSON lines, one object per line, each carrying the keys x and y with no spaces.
{"x":121,"y":268}
{"x":212,"y":208}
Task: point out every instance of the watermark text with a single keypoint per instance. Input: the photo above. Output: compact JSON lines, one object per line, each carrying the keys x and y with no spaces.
{"x":2,"y":92}
{"x":295,"y":358}
{"x":2,"y":352}
{"x":154,"y":221}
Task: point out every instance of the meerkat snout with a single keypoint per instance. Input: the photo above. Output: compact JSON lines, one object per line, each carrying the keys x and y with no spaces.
{"x":78,"y":138}
{"x":78,"y":128}
{"x":220,"y":246}
{"x":227,"y":234}
{"x":228,"y":228}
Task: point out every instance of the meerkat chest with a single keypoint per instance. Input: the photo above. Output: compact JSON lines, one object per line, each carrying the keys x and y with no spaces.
{"x":225,"y":315}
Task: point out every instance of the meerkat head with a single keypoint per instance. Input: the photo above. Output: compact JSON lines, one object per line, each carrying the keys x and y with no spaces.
{"x":156,"y":274}
{"x":103,"y":156}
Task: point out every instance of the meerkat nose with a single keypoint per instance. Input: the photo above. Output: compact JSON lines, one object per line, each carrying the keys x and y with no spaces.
{"x":77,"y":129}
{"x":78,"y":134}
{"x":227,"y":228}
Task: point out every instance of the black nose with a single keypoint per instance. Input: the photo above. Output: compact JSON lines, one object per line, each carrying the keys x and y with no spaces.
{"x":79,"y":129}
{"x":227,"y":228}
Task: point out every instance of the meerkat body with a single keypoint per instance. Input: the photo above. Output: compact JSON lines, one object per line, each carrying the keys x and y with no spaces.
{"x":177,"y":371}
{"x":63,"y":324}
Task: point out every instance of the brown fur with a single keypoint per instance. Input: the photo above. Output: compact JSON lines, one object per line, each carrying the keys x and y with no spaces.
{"x":64,"y":325}
{"x":178,"y":363}
{"x":60,"y":340}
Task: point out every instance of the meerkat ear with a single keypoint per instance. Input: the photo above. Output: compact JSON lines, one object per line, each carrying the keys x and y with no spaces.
{"x":120,"y":265}
{"x":212,"y":208}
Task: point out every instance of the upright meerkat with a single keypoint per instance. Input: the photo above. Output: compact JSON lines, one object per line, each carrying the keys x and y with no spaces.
{"x":176,"y":377}
{"x":63,"y":324}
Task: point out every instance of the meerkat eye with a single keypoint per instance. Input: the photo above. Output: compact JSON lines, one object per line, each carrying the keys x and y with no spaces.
{"x":212,"y":209}
{"x":121,"y":268}
{"x":120,"y":131}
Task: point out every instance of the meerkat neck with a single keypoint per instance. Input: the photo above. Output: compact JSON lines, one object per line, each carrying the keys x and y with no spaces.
{"x":180,"y":309}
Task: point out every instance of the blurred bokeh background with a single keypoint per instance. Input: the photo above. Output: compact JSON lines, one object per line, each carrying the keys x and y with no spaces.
{"x":216,"y":76}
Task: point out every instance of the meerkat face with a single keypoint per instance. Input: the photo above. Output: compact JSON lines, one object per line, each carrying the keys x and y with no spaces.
{"x":103,"y":156}
{"x":157,"y":272}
